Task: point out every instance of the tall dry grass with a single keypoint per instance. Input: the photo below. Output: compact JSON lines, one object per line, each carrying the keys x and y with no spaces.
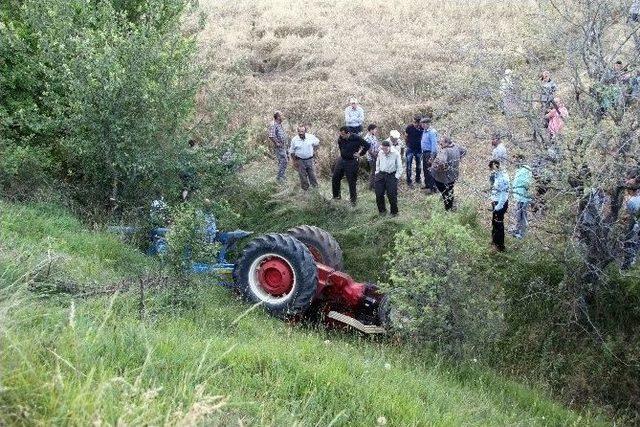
{"x":399,"y":58}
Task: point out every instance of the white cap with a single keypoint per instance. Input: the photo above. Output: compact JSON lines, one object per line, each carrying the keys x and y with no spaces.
{"x":353,"y":100}
{"x":394,"y":134}
{"x":507,"y":71}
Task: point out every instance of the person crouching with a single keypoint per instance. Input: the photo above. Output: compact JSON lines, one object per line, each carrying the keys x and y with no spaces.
{"x":388,"y":171}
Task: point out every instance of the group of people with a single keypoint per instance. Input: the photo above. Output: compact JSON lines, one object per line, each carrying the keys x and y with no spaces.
{"x":431,"y":161}
{"x":436,"y":160}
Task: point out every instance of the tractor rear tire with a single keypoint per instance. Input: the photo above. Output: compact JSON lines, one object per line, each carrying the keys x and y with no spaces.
{"x":324,"y":248}
{"x":278,"y":271}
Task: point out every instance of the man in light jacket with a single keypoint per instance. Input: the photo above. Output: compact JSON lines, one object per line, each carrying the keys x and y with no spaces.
{"x":499,"y":204}
{"x":521,"y":189}
{"x":445,"y":169}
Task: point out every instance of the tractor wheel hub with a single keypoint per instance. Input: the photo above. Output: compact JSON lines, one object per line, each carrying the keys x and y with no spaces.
{"x":275,"y":277}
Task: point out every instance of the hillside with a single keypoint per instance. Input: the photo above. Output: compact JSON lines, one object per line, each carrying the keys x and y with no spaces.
{"x":399,"y":58}
{"x":77,"y":360}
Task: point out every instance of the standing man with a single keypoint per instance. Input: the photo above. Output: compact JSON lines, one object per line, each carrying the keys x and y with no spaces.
{"x":388,"y":171}
{"x":372,"y":154}
{"x":351,"y":146}
{"x":354,"y":116}
{"x":302,"y":152}
{"x":521,"y":188}
{"x":278,"y":137}
{"x":396,"y":142}
{"x":499,"y":151}
{"x":499,"y":204}
{"x":413,"y":134}
{"x":445,"y":169}
{"x":429,"y":146}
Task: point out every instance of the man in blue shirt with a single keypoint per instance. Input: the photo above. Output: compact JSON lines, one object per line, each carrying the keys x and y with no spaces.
{"x":414,"y":149}
{"x":429,"y":146}
{"x":499,"y":204}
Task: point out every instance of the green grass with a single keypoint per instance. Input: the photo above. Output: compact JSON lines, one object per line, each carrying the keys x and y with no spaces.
{"x":80,"y":361}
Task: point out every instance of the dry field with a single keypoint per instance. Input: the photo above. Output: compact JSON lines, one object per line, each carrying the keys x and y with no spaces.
{"x":397,"y":57}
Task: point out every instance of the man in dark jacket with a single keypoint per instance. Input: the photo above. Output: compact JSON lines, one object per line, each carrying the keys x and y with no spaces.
{"x":445,"y":169}
{"x":351,"y":147}
{"x":413,"y":133}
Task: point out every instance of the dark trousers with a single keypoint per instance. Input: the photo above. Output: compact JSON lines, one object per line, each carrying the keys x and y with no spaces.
{"x":497,"y":226}
{"x":411,"y":157}
{"x":429,"y":182}
{"x":447,"y":194}
{"x":348,"y":168}
{"x":387,"y":183}
{"x":372,"y":172}
{"x":355,"y":129}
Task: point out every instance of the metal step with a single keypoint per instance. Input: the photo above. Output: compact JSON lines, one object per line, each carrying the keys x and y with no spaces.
{"x":348,"y":320}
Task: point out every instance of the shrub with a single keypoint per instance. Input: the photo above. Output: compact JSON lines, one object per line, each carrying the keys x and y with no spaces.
{"x":436,"y":295}
{"x":97,"y":95}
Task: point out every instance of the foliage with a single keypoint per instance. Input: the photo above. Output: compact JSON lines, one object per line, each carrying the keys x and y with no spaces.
{"x":100,"y":103}
{"x":436,"y":293}
{"x":93,"y":360}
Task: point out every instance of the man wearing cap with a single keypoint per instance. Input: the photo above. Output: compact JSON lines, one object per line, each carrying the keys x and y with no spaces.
{"x":354,"y":116}
{"x":388,"y":171}
{"x":445,"y":169}
{"x":414,"y":149}
{"x":278,"y":137}
{"x":429,"y":145}
{"x":396,"y":142}
{"x":302,"y":152}
{"x":351,"y":146}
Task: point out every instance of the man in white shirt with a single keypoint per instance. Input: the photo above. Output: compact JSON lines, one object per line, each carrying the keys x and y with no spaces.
{"x":302,"y":152}
{"x":354,"y":116}
{"x":388,"y":171}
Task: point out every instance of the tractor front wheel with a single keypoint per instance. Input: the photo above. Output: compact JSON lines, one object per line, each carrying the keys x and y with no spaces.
{"x":278,"y":271}
{"x":324,"y":248}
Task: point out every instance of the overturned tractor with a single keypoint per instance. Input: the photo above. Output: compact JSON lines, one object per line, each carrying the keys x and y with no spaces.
{"x":298,"y":274}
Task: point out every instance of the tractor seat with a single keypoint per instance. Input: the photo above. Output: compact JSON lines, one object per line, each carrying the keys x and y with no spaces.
{"x":229,"y":238}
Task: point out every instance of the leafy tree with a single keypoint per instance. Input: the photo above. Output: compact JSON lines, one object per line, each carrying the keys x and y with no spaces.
{"x":99,"y":96}
{"x":436,"y":295}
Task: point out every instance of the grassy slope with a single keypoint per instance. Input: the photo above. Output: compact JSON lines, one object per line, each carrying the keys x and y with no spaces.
{"x":92,"y":360}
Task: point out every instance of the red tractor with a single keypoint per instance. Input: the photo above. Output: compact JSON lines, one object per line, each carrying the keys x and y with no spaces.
{"x":299,"y":274}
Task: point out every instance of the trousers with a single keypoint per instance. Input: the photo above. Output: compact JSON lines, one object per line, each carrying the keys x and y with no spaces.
{"x":521,"y":217}
{"x":283,"y":159}
{"x":307,"y":173}
{"x":372,"y":172}
{"x":411,"y":157}
{"x":348,"y":168}
{"x":497,"y":226}
{"x":429,"y":182}
{"x":447,"y":194}
{"x":387,"y":183}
